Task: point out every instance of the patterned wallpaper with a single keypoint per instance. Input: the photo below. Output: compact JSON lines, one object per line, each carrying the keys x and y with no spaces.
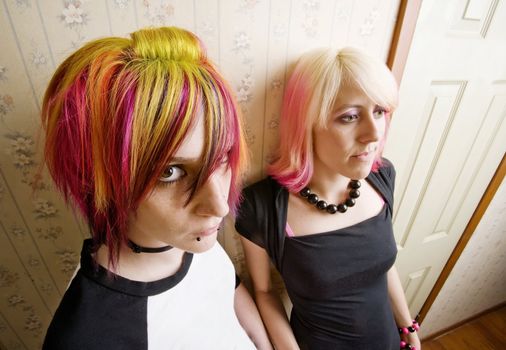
{"x":253,"y":41}
{"x":478,"y":280}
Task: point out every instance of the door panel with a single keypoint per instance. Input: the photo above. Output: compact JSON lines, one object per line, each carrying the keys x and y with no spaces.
{"x":449,"y":133}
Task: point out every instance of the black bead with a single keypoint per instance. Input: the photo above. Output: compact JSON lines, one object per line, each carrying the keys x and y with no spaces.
{"x":321,"y":205}
{"x":342,"y":208}
{"x":332,"y":209}
{"x":305,"y":192}
{"x":355,"y":184}
{"x":350,"y":202}
{"x":313,"y":198}
{"x":354,"y":193}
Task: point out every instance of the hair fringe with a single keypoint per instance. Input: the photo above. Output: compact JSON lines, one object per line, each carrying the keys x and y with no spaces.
{"x":116,"y":111}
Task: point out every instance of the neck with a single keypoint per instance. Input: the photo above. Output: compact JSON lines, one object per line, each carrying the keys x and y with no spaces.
{"x":332,"y":187}
{"x":144,"y":267}
{"x":149,"y":250}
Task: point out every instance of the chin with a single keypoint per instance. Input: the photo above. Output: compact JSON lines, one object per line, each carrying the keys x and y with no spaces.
{"x":362,"y":172}
{"x":359,"y":174}
{"x":203,"y":245}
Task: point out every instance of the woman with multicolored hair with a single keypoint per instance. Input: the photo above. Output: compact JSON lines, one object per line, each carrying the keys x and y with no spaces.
{"x":143,"y":137}
{"x":324,"y":216}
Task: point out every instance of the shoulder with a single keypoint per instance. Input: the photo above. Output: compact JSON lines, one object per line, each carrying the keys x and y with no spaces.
{"x":211,"y":269}
{"x":264,"y":186}
{"x":383,"y":179}
{"x":90,"y":317}
{"x":261,"y":203}
{"x":385,"y":173}
{"x":74,"y":321}
{"x":260,"y":195}
{"x":387,"y":168}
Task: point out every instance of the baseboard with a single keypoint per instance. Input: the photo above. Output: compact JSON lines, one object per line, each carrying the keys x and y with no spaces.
{"x":461,"y":323}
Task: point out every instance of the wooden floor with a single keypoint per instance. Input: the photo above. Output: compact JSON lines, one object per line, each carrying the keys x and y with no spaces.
{"x":483,"y":333}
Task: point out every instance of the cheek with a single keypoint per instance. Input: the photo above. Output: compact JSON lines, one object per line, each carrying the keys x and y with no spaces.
{"x":226,"y":181}
{"x":157,"y":207}
{"x":328,"y":137}
{"x":330,"y":145}
{"x":382,"y":126}
{"x":336,"y":140}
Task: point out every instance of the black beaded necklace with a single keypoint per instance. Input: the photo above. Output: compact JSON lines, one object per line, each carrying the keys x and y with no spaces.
{"x":313,"y":198}
{"x":138,"y":249}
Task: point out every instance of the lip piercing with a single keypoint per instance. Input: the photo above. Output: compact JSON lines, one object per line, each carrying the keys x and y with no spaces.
{"x":198,"y":238}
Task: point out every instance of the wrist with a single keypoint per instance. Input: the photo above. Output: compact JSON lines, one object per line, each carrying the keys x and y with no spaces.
{"x":408,"y":346}
{"x":414,"y":327}
{"x":409,"y":336}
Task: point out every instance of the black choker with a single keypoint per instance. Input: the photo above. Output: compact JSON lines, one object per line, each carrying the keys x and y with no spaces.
{"x":138,"y":249}
{"x":312,"y":198}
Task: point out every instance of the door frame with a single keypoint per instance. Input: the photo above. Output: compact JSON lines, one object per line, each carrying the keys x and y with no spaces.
{"x":402,"y":36}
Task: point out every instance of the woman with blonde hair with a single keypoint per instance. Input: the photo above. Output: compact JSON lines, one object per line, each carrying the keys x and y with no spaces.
{"x":323,"y":216}
{"x":143,"y":137}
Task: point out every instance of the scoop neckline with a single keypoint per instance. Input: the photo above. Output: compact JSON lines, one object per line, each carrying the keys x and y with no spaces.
{"x":336,"y":231}
{"x":108,"y":279}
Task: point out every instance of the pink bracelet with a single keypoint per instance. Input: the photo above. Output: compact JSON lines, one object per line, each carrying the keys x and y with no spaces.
{"x":410,"y":329}
{"x":408,"y":346}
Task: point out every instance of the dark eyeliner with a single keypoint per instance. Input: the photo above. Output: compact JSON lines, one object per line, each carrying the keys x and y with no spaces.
{"x":170,"y":182}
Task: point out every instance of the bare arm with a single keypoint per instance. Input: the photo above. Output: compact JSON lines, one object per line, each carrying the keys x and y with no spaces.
{"x":400,"y":307}
{"x":268,"y":302}
{"x":249,"y":318}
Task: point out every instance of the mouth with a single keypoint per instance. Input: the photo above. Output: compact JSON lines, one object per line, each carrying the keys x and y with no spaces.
{"x":364,"y":156}
{"x":208,"y":232}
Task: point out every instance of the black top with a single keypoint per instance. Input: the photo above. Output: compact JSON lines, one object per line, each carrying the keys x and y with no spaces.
{"x":336,"y":280}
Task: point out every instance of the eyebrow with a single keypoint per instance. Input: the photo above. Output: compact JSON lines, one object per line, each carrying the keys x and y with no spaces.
{"x":341,"y":108}
{"x":345,"y":106}
{"x":184,"y":160}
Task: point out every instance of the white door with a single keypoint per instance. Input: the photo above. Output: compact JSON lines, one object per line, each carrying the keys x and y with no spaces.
{"x":449,"y":133}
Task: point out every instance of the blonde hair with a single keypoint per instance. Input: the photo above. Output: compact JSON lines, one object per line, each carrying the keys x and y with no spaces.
{"x":309,"y":98}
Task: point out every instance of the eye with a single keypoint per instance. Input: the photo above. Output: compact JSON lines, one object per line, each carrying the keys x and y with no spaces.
{"x":172,"y":174}
{"x":380,"y":112}
{"x":224,"y":160}
{"x":348,"y":118}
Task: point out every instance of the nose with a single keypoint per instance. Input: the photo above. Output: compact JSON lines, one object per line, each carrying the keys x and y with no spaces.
{"x":212,"y":198}
{"x":372,"y":128}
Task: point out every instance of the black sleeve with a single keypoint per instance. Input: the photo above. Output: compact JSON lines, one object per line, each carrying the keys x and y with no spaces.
{"x":261,"y":217}
{"x":237,"y":281}
{"x":390,"y":172}
{"x":91,"y":317}
{"x":249,"y":214}
{"x":387,"y":170}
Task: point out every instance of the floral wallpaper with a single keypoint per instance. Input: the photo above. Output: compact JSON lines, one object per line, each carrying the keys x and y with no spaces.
{"x":254,"y":42}
{"x":478,"y":280}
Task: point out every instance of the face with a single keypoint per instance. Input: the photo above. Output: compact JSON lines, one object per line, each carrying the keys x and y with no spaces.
{"x":164,"y":218}
{"x":350,"y":141}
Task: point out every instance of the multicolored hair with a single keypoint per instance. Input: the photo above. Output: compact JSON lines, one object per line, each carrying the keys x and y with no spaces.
{"x":117,"y":110}
{"x":309,"y":99}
